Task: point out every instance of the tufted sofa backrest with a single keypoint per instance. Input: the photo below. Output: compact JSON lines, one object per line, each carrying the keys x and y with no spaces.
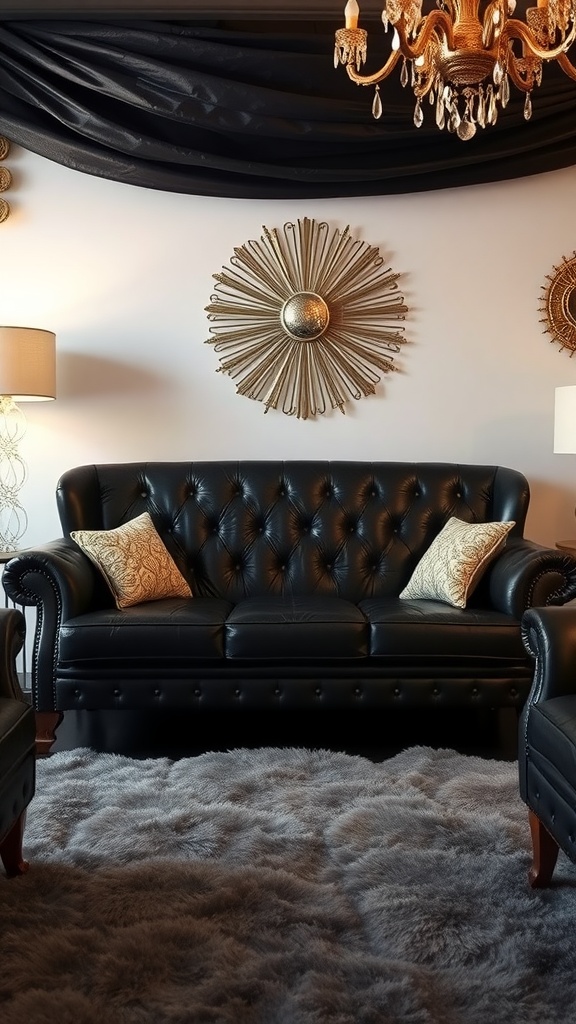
{"x":243,"y":529}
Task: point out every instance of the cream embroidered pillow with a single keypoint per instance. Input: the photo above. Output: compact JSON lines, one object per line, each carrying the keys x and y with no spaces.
{"x":134,"y":561}
{"x":455,"y":561}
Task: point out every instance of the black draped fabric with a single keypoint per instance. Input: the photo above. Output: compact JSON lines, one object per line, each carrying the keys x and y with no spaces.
{"x":253,"y":113}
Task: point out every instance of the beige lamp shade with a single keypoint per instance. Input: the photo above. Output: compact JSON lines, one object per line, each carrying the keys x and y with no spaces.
{"x":565,"y":420}
{"x":27,"y":364}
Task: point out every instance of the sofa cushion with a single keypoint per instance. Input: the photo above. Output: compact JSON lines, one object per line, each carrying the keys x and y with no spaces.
{"x":134,"y":562}
{"x":433,"y":633}
{"x":296,"y":627}
{"x":171,"y":629}
{"x":455,"y":561}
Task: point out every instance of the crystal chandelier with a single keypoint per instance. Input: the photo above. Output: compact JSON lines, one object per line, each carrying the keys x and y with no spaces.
{"x":463,"y":55}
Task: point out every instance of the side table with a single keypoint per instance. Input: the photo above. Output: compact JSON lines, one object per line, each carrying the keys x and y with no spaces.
{"x":567,"y":545}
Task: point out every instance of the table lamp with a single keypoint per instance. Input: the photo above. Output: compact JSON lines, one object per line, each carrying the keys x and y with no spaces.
{"x":27,"y":374}
{"x":565,"y":420}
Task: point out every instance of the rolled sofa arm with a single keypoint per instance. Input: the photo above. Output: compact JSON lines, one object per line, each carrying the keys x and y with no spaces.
{"x":12,"y":634}
{"x":526,"y":574}
{"x":549,"y":636}
{"x":60,"y":581}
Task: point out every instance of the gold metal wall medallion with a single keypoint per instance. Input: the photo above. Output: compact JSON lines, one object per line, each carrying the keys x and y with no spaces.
{"x":5,"y":178}
{"x":305,"y":319}
{"x":559,"y":304}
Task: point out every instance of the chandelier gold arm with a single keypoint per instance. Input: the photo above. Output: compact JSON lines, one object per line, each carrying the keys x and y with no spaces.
{"x":567,"y":66}
{"x":436,"y":22}
{"x":523,"y":84}
{"x":514,"y":29}
{"x":378,"y":76}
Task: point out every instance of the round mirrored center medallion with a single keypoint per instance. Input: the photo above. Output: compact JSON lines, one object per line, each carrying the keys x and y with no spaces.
{"x":305,"y":316}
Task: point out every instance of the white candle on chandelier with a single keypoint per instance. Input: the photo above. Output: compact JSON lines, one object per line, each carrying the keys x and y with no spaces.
{"x":351,"y":12}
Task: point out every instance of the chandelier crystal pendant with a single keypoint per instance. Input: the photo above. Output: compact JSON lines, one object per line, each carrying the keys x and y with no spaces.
{"x":463,"y":55}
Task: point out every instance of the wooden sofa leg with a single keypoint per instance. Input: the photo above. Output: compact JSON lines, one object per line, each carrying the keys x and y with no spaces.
{"x":11,"y":849}
{"x":46,"y":724}
{"x":545,"y":851}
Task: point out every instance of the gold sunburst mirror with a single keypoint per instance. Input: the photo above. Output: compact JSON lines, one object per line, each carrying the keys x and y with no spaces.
{"x":305,"y":319}
{"x":559,"y":304}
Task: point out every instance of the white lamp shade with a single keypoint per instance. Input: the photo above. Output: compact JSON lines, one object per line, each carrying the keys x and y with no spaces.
{"x":27,"y":364}
{"x":565,"y":420}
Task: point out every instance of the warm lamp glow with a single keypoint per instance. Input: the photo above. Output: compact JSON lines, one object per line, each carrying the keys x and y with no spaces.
{"x":27,"y":374}
{"x":27,"y":364}
{"x":565,"y":420}
{"x":463,"y":55}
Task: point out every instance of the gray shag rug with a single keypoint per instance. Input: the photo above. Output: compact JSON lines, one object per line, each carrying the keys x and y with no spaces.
{"x":283,"y":886}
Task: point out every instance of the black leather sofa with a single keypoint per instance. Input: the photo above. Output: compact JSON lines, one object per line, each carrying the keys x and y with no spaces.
{"x":296,"y":570}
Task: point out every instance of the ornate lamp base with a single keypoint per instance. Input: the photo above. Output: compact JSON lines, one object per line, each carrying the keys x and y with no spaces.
{"x":13,"y":472}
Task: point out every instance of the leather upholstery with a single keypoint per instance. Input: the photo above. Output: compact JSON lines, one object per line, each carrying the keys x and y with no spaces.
{"x":17,"y":727}
{"x":295,"y":569}
{"x":547,"y":742}
{"x":237,"y":530}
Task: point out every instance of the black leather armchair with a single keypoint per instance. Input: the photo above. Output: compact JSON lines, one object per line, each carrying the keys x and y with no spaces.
{"x":547,"y":741}
{"x":17,"y":745}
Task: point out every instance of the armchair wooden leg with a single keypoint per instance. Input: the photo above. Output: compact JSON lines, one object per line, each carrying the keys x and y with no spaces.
{"x":545,"y":851}
{"x":11,"y":849}
{"x":46,"y":724}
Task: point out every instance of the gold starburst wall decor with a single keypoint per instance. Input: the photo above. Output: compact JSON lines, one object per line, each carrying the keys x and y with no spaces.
{"x":305,"y":318}
{"x":559,"y":305}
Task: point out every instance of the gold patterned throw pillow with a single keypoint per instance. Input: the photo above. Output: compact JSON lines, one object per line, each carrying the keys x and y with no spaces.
{"x":134,"y":562}
{"x":455,"y":561}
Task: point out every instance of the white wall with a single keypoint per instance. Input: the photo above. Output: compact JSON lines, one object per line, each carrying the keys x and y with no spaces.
{"x":122,"y":275}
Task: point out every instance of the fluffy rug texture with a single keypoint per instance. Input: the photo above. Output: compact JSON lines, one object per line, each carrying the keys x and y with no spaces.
{"x":283,"y":886}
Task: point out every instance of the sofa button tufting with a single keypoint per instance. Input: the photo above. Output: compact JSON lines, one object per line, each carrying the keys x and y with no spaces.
{"x":156,"y":693}
{"x":237,"y":693}
{"x":116,"y":693}
{"x":475,"y":691}
{"x":318,"y":691}
{"x":277,"y":692}
{"x":513,"y":691}
{"x":357,"y":692}
{"x":197,"y":693}
{"x":435,"y":691}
